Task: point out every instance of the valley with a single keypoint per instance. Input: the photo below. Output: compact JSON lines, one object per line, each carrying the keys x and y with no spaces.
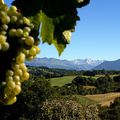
{"x":70,"y":90}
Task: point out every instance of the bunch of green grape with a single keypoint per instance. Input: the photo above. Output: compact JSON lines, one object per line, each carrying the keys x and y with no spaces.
{"x":17,"y":44}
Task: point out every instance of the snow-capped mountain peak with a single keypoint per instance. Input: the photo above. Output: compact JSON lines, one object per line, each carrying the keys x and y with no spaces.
{"x":87,"y":61}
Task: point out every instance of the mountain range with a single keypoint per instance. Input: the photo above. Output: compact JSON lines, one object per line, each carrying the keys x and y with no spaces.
{"x":77,"y":64}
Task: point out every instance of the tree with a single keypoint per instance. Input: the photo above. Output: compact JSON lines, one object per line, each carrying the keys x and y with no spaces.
{"x":117,"y":79}
{"x":80,"y":80}
{"x":105,"y":84}
{"x":89,"y":73}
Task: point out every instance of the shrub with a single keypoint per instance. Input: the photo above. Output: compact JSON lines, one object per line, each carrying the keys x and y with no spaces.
{"x":60,"y":109}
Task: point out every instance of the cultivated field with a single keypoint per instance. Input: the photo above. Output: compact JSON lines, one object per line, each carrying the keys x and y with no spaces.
{"x":104,"y":99}
{"x":60,"y":81}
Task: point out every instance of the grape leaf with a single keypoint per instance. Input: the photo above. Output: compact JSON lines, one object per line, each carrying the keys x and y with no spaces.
{"x":47,"y":29}
{"x":49,"y":33}
{"x":55,"y":8}
{"x":28,"y":7}
{"x":52,"y":8}
{"x":57,"y":18}
{"x":58,"y":30}
{"x":36,"y":20}
{"x":59,"y":46}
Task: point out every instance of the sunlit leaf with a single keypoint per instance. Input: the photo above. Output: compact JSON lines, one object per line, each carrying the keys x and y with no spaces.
{"x":54,"y":19}
{"x":47,"y":29}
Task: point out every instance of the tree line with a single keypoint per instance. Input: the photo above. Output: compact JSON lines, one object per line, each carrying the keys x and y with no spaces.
{"x":88,"y":85}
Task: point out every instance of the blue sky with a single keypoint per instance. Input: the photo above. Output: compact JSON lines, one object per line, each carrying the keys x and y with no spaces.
{"x":97,"y":35}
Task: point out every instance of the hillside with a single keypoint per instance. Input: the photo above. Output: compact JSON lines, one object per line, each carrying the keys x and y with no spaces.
{"x":109,"y":65}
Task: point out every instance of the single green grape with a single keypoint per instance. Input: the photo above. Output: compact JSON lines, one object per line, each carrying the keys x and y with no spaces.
{"x":5,"y":46}
{"x":29,"y":40}
{"x":19,"y":32}
{"x":20,"y":58}
{"x":13,"y":19}
{"x":5,"y":19}
{"x":17,"y":90}
{"x":12,"y":32}
{"x":2,"y":39}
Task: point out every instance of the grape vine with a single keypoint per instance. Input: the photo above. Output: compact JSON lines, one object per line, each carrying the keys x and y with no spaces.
{"x":19,"y":38}
{"x":16,"y":45}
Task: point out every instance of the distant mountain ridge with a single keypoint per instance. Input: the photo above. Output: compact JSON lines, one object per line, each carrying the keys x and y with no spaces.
{"x":78,"y":64}
{"x":109,"y":65}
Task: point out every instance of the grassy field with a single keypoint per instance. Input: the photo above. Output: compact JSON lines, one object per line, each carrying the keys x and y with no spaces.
{"x":81,"y":99}
{"x":60,"y":81}
{"x":84,"y":100}
{"x":104,"y":99}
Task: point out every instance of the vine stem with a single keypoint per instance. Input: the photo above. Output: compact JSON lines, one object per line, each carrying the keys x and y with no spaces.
{"x":1,"y":2}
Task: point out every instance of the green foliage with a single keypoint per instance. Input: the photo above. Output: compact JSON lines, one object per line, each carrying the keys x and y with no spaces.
{"x":52,"y":8}
{"x":89,"y":73}
{"x":50,"y":34}
{"x":56,"y":18}
{"x":105,"y":84}
{"x":36,"y":20}
{"x":30,"y":8}
{"x":45,"y":72}
{"x":117,"y":79}
{"x":81,"y":80}
{"x":60,"y":109}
